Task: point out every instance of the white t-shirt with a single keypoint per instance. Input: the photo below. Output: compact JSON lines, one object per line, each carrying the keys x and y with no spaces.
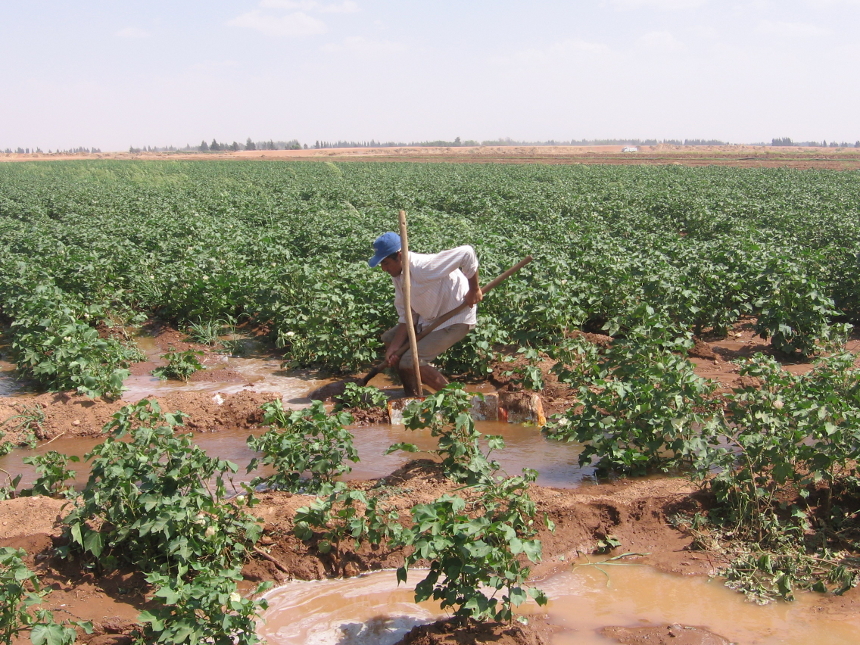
{"x":440,"y":282}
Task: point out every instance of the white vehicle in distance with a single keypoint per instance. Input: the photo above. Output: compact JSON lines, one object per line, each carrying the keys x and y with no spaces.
{"x":630,"y":149}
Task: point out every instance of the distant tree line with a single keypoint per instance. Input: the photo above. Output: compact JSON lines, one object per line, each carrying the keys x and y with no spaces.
{"x":153,"y":149}
{"x":76,"y":150}
{"x":293,"y":144}
{"x":512,"y":142}
{"x":69,"y":151}
{"x":223,"y":146}
{"x":648,"y":142}
{"x":786,"y":141}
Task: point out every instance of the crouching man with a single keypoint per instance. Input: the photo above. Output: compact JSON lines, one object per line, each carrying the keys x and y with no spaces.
{"x":439,"y":283}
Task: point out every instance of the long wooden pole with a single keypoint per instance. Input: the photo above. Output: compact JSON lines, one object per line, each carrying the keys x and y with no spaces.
{"x":407,"y":297}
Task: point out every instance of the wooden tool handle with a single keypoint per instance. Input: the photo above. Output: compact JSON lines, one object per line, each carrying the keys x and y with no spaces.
{"x":489,"y":287}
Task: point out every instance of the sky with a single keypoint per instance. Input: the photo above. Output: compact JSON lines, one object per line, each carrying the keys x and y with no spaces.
{"x":112,"y":73}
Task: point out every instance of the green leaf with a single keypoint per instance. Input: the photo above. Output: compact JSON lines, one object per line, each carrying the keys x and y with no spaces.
{"x":93,"y":543}
{"x":52,"y":634}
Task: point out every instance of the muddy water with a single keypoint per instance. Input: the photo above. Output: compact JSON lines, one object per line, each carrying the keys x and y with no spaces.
{"x":10,"y":384}
{"x":367,"y":610}
{"x":582,"y":600}
{"x":526,"y":448}
{"x":260,"y":372}
{"x":372,"y":610}
{"x":585,"y":599}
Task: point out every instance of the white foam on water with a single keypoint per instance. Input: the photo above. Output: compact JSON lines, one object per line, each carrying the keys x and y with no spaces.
{"x":367,"y":610}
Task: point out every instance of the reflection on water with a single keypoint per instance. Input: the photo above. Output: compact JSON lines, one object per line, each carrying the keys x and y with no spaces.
{"x":10,"y":384}
{"x":582,"y":601}
{"x":525,"y":447}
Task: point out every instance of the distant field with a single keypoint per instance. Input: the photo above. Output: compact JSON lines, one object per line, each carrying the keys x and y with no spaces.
{"x":745,"y":156}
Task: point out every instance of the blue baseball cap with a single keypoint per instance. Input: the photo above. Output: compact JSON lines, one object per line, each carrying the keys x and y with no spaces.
{"x":384,"y":245}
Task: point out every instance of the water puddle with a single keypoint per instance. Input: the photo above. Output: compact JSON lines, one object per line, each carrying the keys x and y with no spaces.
{"x":258,"y":375}
{"x":585,"y":599}
{"x":581,"y":601}
{"x":256,"y":370}
{"x":10,"y":383}
{"x":366,"y":610}
{"x":526,"y":448}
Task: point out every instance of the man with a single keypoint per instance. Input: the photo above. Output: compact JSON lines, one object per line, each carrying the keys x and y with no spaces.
{"x":439,"y":283}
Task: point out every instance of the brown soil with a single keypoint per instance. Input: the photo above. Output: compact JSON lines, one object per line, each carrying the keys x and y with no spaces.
{"x":70,"y":415}
{"x":634,"y":512}
{"x":747,"y":156}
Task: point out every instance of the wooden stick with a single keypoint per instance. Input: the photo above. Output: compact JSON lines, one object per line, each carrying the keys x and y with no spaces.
{"x":265,"y":555}
{"x":53,"y":438}
{"x":407,"y":297}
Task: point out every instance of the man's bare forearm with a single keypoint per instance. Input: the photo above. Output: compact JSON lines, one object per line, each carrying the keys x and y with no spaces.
{"x":474,"y":295}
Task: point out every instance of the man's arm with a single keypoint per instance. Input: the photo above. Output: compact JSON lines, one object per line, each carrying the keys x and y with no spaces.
{"x":474,"y":295}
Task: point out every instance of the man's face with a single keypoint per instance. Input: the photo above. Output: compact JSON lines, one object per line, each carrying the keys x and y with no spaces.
{"x":392,"y":265}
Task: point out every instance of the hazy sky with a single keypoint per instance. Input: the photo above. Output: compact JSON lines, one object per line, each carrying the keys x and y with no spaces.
{"x":113,"y":73}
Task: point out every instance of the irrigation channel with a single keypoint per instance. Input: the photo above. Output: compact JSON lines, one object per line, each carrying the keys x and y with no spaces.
{"x":371,"y":609}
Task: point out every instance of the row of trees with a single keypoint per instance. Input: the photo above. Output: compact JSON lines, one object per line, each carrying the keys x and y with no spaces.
{"x":154,"y":149}
{"x":69,"y":151}
{"x":293,"y":144}
{"x":215,"y":146}
{"x":786,"y":141}
{"x":223,"y":146}
{"x":512,"y":142}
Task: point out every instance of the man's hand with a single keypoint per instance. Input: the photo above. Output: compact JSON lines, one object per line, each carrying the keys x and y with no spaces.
{"x":474,"y":296}
{"x":391,"y":357}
